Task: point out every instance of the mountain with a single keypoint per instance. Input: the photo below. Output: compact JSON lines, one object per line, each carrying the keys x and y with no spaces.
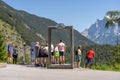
{"x":101,"y":35}
{"x":33,"y":28}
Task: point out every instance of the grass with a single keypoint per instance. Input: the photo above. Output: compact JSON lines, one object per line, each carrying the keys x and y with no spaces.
{"x":107,"y":67}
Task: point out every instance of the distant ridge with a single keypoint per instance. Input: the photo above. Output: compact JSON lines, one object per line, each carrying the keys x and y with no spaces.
{"x":33,"y":28}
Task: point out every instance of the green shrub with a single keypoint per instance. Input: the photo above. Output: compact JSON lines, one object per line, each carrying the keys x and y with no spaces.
{"x":3,"y":51}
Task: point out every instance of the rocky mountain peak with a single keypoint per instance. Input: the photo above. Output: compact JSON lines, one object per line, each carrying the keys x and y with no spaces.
{"x":101,"y":35}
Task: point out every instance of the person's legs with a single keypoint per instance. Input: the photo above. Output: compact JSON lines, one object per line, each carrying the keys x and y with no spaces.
{"x":78,"y":61}
{"x":52,"y":57}
{"x":78,"y":64}
{"x":41,"y":56}
{"x":36,"y":60}
{"x":57,"y":60}
{"x":87,"y":63}
{"x":45,"y":59}
{"x":41,"y":61}
{"x":9,"y":58}
{"x":90,"y":63}
{"x":62,"y":58}
{"x":15,"y":59}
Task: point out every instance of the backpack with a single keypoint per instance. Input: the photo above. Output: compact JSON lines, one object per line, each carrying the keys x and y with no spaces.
{"x":15,"y":51}
{"x":76,"y":52}
{"x":41,"y":50}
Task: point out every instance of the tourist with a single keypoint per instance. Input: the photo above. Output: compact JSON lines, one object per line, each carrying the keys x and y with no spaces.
{"x":15,"y":54}
{"x":37,"y":46}
{"x":46,"y":53}
{"x":62,"y":49}
{"x":52,"y":53}
{"x":78,"y":55}
{"x":90,"y":55}
{"x":10,"y":52}
{"x":56,"y":54}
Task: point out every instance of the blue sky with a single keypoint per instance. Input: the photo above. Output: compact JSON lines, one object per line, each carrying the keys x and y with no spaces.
{"x":81,"y":14}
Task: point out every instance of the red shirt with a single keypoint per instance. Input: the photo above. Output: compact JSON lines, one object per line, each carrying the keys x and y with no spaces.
{"x":90,"y":54}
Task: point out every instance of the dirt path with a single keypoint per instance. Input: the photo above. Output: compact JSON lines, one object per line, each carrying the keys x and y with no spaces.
{"x":19,"y":72}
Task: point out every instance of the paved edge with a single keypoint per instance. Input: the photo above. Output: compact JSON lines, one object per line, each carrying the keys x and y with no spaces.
{"x":3,"y":65}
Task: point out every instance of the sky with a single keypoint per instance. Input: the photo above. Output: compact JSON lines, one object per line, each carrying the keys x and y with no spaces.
{"x":80,"y":14}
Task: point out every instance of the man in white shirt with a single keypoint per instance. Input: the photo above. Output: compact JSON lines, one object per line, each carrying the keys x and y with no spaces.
{"x":52,"y":53}
{"x":62,"y":49}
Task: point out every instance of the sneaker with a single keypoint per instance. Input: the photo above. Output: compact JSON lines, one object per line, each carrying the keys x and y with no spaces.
{"x":79,"y":67}
{"x":36,"y":65}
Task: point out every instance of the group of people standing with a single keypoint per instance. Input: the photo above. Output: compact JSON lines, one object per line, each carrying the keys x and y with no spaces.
{"x":42,"y":53}
{"x":12,"y":53}
{"x":89,"y":57}
{"x":57,"y":54}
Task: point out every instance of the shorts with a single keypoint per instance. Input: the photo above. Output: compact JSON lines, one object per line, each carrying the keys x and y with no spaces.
{"x":56,"y":54}
{"x":89,"y":61}
{"x":36,"y":55}
{"x":52,"y":53}
{"x":78,"y":58}
{"x":15,"y":56}
{"x":41,"y":55}
{"x":61,"y":53}
{"x":45,"y":55}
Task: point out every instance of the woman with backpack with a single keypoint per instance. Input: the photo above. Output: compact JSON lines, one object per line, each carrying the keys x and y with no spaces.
{"x":78,"y":55}
{"x":15,"y":54}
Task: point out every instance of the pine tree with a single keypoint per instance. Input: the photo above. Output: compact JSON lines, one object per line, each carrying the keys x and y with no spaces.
{"x":3,"y":51}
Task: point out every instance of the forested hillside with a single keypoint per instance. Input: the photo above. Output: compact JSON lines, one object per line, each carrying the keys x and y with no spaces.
{"x":33,"y":28}
{"x":9,"y":34}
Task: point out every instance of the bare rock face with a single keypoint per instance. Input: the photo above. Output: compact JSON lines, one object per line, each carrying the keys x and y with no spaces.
{"x":101,"y":35}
